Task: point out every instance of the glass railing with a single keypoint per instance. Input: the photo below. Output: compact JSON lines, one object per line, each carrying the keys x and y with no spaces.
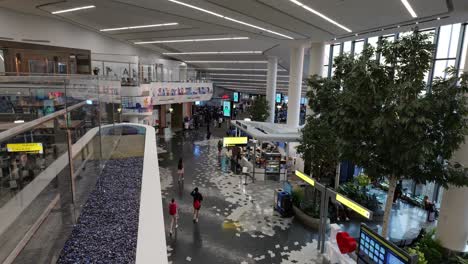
{"x":52,"y":150}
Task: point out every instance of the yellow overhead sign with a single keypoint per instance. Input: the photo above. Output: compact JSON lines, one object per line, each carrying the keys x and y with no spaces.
{"x":353,"y":206}
{"x":232,"y":141}
{"x":305,"y":178}
{"x":25,"y":147}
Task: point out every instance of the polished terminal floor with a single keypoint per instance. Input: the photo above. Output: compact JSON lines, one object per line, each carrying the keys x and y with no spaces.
{"x":237,"y":222}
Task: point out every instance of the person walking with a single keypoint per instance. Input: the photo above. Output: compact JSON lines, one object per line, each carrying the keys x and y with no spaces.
{"x":197,"y":199}
{"x":220,"y":147}
{"x":180,"y":170}
{"x":174,"y":214}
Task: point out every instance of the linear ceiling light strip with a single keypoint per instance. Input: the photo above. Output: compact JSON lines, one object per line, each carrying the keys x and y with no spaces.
{"x":248,"y":80}
{"x":212,"y":52}
{"x":409,"y":8}
{"x":189,"y":40}
{"x":308,"y":8}
{"x":250,"y":75}
{"x":234,"y":69}
{"x":137,"y":27}
{"x":226,"y":61}
{"x":231,"y":19}
{"x":73,"y":9}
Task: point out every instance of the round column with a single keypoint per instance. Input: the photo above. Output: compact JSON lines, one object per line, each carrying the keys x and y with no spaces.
{"x":271,"y":87}
{"x":452,"y":226}
{"x":316,"y":54}
{"x":295,"y":85}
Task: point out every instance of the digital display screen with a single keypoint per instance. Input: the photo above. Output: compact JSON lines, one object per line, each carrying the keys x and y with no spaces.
{"x":235,"y":97}
{"x":278,"y":98}
{"x":374,"y":249}
{"x":285,"y":99}
{"x":227,"y":108}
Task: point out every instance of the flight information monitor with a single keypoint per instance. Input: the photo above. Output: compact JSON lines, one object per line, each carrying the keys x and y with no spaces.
{"x":374,"y":249}
{"x":235,"y":97}
{"x":227,"y":108}
{"x":278,"y":98}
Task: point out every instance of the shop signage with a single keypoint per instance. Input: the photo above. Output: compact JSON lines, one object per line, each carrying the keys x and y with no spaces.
{"x":305,"y":178}
{"x":25,"y":147}
{"x":353,"y":206}
{"x":373,"y":248}
{"x":232,"y":141}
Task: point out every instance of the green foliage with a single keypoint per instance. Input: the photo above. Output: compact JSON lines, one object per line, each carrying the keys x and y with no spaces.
{"x":430,"y":251}
{"x":298,"y":197}
{"x":352,"y":191}
{"x":421,"y":257}
{"x":363,"y":180}
{"x":381,"y":115}
{"x":310,"y":208}
{"x":259,"y":109}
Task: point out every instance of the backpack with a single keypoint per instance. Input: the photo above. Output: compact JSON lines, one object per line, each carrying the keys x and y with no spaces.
{"x":172,"y":208}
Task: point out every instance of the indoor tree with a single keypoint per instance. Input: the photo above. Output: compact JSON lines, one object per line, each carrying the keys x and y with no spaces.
{"x":384,"y":118}
{"x":259,"y":109}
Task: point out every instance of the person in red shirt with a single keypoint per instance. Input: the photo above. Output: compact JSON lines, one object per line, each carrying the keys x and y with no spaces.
{"x":173,"y":212}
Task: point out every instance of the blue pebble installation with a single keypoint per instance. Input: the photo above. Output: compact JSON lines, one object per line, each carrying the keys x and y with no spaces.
{"x":107,"y":228}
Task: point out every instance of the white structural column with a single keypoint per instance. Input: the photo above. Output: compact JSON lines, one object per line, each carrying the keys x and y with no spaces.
{"x":271,"y":87}
{"x":316,"y":54}
{"x":452,"y":226}
{"x":295,"y":85}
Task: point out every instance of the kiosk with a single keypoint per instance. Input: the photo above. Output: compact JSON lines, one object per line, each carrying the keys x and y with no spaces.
{"x":267,"y":155}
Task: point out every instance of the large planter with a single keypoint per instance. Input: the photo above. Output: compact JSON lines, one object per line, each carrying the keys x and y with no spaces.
{"x":307,"y":220}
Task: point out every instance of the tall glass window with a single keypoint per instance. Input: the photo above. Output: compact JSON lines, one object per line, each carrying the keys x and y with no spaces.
{"x":447,"y":48}
{"x":358,"y":47}
{"x":326,"y":61}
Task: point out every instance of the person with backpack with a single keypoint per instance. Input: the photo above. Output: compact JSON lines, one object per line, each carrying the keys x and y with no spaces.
{"x":180,"y":170}
{"x":173,"y":212}
{"x":197,"y":199}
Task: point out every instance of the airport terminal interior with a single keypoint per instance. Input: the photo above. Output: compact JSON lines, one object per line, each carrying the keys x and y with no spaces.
{"x":247,"y":131}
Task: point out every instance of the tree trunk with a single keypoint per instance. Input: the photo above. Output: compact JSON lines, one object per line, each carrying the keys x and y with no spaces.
{"x":392,"y":182}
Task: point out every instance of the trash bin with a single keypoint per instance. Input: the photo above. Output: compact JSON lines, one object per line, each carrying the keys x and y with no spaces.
{"x":275,"y":198}
{"x":284,"y":204}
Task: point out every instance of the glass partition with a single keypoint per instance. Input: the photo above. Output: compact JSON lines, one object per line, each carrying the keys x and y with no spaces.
{"x":52,"y":150}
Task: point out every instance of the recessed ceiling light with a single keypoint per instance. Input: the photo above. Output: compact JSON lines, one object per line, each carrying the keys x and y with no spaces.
{"x":398,"y":26}
{"x":417,"y":23}
{"x":356,"y":34}
{"x":409,"y":8}
{"x":136,"y":27}
{"x":235,"y":69}
{"x":334,"y":38}
{"x":226,"y":61}
{"x":73,"y":9}
{"x":188,"y":40}
{"x":231,"y":19}
{"x":438,"y":18}
{"x":308,"y":8}
{"x":212,"y":52}
{"x":18,"y":121}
